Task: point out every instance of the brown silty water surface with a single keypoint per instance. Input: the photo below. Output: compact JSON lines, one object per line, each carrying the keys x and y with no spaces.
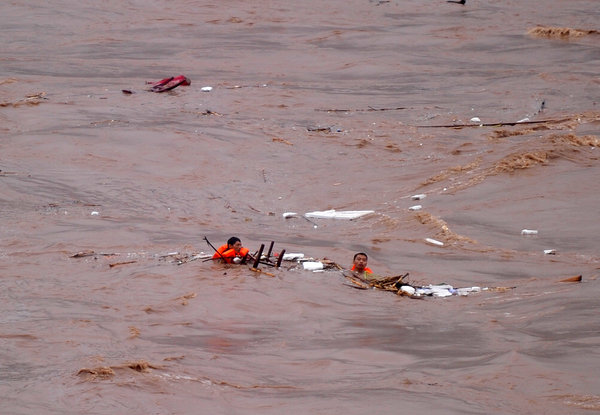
{"x":314,"y":106}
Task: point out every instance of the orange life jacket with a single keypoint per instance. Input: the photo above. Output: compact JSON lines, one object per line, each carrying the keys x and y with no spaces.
{"x":367,"y":269}
{"x":227,"y":253}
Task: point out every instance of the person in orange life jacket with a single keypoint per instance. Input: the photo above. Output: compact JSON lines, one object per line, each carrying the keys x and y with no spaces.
{"x":232,"y":252}
{"x":359,"y":265}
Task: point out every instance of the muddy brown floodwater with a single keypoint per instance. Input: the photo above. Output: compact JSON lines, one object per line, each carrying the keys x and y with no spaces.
{"x":489,"y":109}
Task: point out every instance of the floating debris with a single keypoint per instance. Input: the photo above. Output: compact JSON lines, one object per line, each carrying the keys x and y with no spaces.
{"x":319,"y":129}
{"x":362,"y":109}
{"x":333,"y":214}
{"x":116,"y":264}
{"x":577,"y":278}
{"x":168,"y":84}
{"x":313,"y":265}
{"x":434,"y":242}
{"x":400,"y":286}
{"x":293,"y":256}
{"x":560,"y":32}
{"x":31,"y":99}
{"x":529,"y":232}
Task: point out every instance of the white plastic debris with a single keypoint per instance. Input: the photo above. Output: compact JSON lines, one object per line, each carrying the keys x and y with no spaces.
{"x":439,"y":290}
{"x":524,"y":119}
{"x":289,"y":215}
{"x":312,"y":265}
{"x":434,"y":242}
{"x":467,"y":290}
{"x":550,"y":251}
{"x":95,"y":213}
{"x":442,"y":290}
{"x":419,"y":196}
{"x":206,"y":88}
{"x":476,"y":120}
{"x":292,"y":256}
{"x":529,"y":232}
{"x":408,"y":289}
{"x":442,"y":293}
{"x":415,"y":207}
{"x":342,"y":214}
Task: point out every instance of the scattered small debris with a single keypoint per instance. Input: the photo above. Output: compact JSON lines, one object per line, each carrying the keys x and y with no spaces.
{"x":87,"y":253}
{"x":281,"y":140}
{"x":362,"y":110}
{"x":496,"y":124}
{"x":209,"y":112}
{"x":30,"y":99}
{"x":434,"y":242}
{"x":103,"y":372}
{"x":577,"y":278}
{"x":116,"y":264}
{"x":333,"y":214}
{"x":168,"y":84}
{"x":319,"y":129}
{"x":529,"y":232}
{"x":560,"y":32}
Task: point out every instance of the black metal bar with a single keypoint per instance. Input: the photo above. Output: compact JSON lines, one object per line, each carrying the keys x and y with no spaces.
{"x":270,"y":250}
{"x":257,"y":259}
{"x":211,"y":245}
{"x":281,"y":254}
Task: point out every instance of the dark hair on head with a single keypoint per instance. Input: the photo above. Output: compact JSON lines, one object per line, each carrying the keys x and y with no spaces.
{"x":233,"y":240}
{"x":360,"y":253}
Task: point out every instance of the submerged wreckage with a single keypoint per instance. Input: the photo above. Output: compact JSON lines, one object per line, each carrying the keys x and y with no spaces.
{"x":399,"y":285}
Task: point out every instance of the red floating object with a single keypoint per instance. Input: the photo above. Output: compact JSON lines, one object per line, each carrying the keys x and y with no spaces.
{"x":169,"y":83}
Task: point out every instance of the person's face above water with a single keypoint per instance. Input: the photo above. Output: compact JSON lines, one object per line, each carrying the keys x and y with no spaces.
{"x":360,"y":262}
{"x":237,"y":246}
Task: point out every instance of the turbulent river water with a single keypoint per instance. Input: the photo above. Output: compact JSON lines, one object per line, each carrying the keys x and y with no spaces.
{"x":490,"y":109}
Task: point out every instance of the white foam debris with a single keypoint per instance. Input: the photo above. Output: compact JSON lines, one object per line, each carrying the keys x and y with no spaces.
{"x":529,"y":232}
{"x":419,"y":196}
{"x":408,"y":289}
{"x":312,"y":265}
{"x":434,"y":241}
{"x":333,"y":214}
{"x":415,"y":207}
